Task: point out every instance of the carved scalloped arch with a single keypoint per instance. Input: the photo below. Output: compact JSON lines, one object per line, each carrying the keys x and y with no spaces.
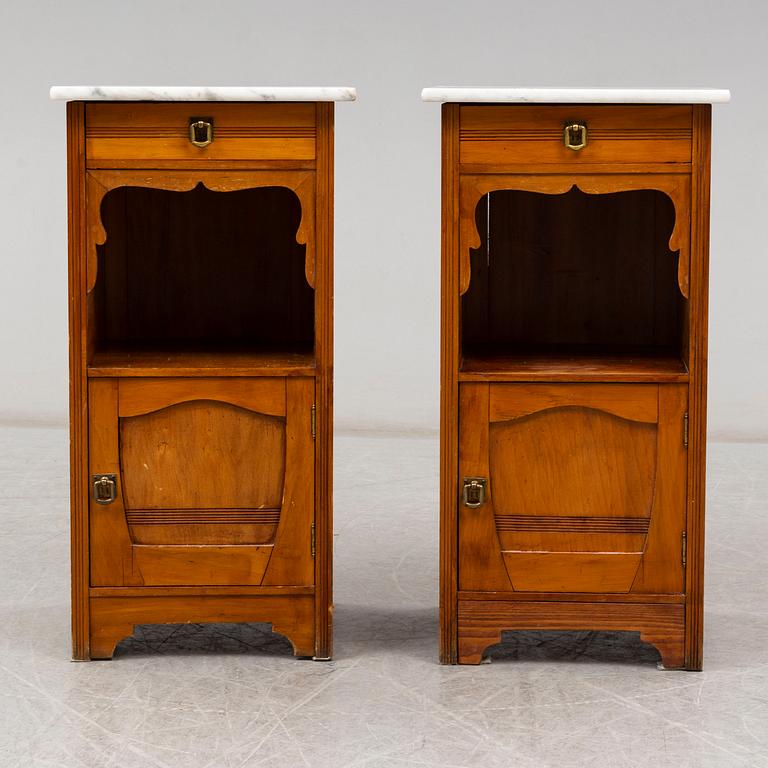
{"x":675,"y":186}
{"x":101,"y":182}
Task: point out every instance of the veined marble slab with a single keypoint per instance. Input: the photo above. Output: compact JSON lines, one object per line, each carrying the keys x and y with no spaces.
{"x":578,"y":95}
{"x":200,"y":93}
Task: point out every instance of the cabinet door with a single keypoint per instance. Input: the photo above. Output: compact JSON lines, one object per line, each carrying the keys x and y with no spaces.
{"x":585,"y":487}
{"x":214,"y":481}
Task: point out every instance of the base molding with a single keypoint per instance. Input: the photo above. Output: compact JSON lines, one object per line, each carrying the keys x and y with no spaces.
{"x":481,"y":623}
{"x":113,"y":618}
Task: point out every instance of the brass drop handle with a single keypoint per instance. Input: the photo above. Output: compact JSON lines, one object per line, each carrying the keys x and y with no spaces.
{"x":201,"y":131}
{"x":474,"y":491}
{"x":104,"y":488}
{"x":575,"y":135}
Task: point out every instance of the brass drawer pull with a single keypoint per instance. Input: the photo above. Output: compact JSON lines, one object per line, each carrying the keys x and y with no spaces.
{"x":104,"y":488}
{"x":201,"y":131}
{"x":575,"y":135}
{"x":474,"y":491}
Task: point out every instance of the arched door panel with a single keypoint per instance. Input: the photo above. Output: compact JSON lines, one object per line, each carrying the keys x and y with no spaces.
{"x":213,"y":481}
{"x":584,"y":487}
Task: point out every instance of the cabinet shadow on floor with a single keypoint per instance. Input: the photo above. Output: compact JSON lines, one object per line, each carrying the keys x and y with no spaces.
{"x":367,"y":631}
{"x":194,"y":639}
{"x":594,"y":647}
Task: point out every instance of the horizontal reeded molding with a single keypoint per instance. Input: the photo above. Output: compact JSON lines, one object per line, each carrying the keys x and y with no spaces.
{"x":200,"y":93}
{"x":577,"y":95}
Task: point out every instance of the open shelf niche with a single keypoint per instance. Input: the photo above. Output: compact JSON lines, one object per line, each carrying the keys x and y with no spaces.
{"x":574,"y":285}
{"x":201,"y":279}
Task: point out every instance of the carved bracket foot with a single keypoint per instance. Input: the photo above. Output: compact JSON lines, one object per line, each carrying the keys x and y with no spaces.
{"x":300,"y":636}
{"x":672,"y":649}
{"x":105,"y":637}
{"x":472,"y":645}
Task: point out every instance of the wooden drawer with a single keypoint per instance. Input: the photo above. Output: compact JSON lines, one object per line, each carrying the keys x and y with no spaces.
{"x":131,"y":132}
{"x":534,"y":134}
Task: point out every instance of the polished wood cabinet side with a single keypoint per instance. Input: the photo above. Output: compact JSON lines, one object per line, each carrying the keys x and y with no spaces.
{"x":449,"y":387}
{"x":78,"y":381}
{"x":324,"y":383}
{"x":698,"y":342}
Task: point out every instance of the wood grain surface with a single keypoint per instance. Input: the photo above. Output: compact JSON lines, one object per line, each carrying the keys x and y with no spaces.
{"x":616,"y":134}
{"x":201,"y":311}
{"x":151,"y":132}
{"x":573,"y":337}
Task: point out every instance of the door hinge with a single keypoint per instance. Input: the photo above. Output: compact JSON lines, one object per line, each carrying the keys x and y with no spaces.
{"x":314,"y":421}
{"x":685,"y":430}
{"x":312,"y":539}
{"x":684,"y":548}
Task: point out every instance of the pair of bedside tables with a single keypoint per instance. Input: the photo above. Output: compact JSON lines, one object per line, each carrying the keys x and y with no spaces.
{"x":573,"y":345}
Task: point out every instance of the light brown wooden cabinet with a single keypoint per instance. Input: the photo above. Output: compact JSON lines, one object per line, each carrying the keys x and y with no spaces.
{"x":201,"y":367}
{"x":574,"y":327}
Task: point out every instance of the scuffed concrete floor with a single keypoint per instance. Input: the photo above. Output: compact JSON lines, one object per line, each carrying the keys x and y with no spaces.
{"x":229,"y":695}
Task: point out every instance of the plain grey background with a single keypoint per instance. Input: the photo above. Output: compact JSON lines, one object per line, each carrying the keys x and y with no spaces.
{"x":387,"y":161}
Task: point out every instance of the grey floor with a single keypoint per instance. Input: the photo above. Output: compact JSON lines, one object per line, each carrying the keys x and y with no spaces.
{"x":230,"y":696}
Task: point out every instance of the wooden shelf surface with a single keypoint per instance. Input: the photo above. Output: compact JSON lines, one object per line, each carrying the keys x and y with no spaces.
{"x":237,"y":362}
{"x":494,"y":366}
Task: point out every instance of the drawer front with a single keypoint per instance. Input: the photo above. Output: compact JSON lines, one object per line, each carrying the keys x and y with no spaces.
{"x":615,"y":134}
{"x":141,"y":132}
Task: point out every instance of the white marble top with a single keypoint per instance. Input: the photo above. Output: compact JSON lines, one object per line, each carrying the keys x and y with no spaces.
{"x":578,"y":95}
{"x":200,"y":93}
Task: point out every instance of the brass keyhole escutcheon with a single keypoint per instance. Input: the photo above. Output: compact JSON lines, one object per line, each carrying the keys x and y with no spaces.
{"x":575,"y":135}
{"x":201,"y":131}
{"x":474,"y":491}
{"x":104,"y":488}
